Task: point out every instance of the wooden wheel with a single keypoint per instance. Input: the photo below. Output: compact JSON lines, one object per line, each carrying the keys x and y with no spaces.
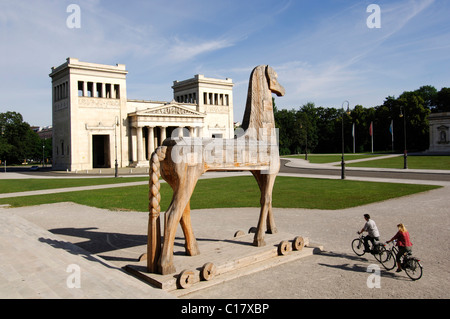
{"x":142,"y":257}
{"x":284,"y":248}
{"x":208,"y":271}
{"x":185,"y":279}
{"x":239,"y":233}
{"x":298,"y":243}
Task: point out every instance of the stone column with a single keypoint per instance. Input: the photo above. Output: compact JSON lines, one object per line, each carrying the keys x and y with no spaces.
{"x":140,"y":144}
{"x":150,"y":141}
{"x":113,"y":93}
{"x":163,"y":133}
{"x":85,"y":88}
{"x":191,"y":131}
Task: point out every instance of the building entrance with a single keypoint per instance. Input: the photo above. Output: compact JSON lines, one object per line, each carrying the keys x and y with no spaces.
{"x":101,"y":151}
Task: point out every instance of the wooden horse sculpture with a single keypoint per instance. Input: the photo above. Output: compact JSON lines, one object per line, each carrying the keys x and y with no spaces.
{"x":182,"y":161}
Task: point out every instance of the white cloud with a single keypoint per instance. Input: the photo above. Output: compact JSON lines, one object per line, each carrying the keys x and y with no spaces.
{"x":186,"y":50}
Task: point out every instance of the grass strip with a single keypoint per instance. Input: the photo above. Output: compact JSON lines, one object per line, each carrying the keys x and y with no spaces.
{"x":414,"y":162}
{"x":24,"y":185}
{"x":243,"y":191}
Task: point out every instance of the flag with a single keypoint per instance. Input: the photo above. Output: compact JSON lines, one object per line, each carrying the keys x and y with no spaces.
{"x":391,"y":129}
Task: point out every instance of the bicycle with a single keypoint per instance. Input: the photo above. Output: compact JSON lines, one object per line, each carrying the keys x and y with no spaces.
{"x":377,"y":250}
{"x":410,"y":264}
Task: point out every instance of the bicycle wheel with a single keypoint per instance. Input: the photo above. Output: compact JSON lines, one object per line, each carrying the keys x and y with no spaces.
{"x":358,"y":247}
{"x":381,"y":255}
{"x":413,"y":269}
{"x":388,"y":260}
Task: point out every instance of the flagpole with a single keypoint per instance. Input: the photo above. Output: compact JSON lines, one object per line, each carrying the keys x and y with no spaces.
{"x":353,"y":134}
{"x":392,"y":134}
{"x":371,"y":133}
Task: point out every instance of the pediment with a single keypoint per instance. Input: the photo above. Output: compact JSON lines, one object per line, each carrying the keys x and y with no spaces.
{"x":169,"y":109}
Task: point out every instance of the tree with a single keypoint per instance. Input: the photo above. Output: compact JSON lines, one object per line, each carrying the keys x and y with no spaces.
{"x":18,"y":141}
{"x":442,"y":101}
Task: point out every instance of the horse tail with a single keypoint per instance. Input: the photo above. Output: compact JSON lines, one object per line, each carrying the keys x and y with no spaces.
{"x":154,"y":186}
{"x":154,"y":196}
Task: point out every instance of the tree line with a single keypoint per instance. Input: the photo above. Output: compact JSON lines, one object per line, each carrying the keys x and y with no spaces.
{"x":18,"y":142}
{"x":319,"y":129}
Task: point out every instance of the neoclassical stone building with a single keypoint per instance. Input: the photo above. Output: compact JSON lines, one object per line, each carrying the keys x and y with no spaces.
{"x":95,"y":124}
{"x":439,"y":132}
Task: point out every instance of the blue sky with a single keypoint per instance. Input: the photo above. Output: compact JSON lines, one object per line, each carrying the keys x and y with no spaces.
{"x":323,"y":51}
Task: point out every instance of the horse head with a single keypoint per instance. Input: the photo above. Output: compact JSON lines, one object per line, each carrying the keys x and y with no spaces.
{"x":259,"y":108}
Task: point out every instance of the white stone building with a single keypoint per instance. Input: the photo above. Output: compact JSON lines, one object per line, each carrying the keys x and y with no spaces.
{"x":439,"y":132}
{"x":95,"y":124}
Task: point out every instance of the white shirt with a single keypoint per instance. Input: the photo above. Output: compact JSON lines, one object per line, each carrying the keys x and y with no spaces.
{"x":371,"y":228}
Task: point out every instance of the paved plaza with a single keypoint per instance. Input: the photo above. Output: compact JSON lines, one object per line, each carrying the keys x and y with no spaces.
{"x":41,"y":245}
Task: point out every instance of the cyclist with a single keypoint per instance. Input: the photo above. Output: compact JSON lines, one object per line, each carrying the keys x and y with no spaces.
{"x":373,"y":234}
{"x":403,"y":243}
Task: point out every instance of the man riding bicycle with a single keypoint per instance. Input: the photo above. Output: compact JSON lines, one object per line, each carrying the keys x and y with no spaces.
{"x":373,"y":234}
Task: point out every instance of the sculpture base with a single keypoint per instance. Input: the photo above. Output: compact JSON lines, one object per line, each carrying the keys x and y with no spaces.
{"x":225,"y":260}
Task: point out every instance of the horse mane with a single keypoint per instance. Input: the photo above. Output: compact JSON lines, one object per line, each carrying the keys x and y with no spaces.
{"x":259,"y":108}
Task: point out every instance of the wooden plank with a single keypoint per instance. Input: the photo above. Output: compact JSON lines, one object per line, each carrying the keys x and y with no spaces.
{"x":229,"y":256}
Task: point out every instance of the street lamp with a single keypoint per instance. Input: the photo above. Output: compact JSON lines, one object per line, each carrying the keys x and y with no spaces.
{"x":306,"y":142}
{"x":405,"y":152}
{"x":343,"y":161}
{"x":43,"y":153}
{"x":116,"y":165}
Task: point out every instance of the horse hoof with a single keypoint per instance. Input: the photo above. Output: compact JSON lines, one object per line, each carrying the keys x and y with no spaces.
{"x":167,"y":270}
{"x":259,"y":242}
{"x":192,"y":250}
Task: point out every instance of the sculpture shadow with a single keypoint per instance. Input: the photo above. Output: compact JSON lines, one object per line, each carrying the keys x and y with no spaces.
{"x":99,"y":242}
{"x":74,"y":250}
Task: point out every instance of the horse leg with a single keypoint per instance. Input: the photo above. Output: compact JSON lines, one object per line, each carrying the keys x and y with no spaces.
{"x":172,"y":219}
{"x":265,"y":183}
{"x":271,"y":228}
{"x":266,"y":187}
{"x":183,"y":189}
{"x":191,"y":243}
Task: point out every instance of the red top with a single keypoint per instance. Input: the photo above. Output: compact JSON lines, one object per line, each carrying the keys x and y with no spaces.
{"x":402,"y":239}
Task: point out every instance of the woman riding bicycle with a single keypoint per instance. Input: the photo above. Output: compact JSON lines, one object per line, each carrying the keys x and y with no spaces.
{"x":403,"y":243}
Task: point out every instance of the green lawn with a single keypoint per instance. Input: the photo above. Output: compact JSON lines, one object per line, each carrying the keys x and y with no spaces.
{"x":414,"y":162}
{"x":24,"y":185}
{"x":289,"y":192}
{"x":331,"y":158}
